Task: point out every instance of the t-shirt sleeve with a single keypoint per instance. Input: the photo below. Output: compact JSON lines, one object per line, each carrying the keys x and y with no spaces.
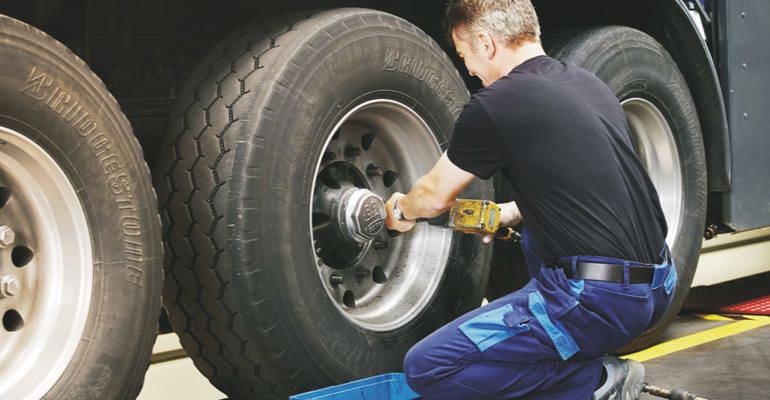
{"x":477,"y":146}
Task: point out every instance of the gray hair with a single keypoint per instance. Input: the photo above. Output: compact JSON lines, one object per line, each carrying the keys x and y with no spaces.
{"x":514,"y":21}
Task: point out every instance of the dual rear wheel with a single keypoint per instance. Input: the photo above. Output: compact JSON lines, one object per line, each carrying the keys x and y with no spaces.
{"x":267,"y":286}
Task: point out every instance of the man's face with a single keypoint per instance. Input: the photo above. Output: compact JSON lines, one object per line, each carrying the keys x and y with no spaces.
{"x":476,"y":57}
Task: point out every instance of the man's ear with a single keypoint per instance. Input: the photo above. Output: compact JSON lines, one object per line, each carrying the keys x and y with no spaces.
{"x":487,"y":44}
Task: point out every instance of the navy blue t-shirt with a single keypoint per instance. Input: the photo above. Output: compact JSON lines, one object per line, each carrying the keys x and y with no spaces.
{"x":560,"y":135}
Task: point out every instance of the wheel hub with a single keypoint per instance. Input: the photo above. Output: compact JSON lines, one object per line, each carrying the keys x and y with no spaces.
{"x":46,"y":268}
{"x":378,"y":282}
{"x":360,"y":215}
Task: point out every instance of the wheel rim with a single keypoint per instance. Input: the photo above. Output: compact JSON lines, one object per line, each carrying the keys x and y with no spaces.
{"x":657,"y":150}
{"x":50,"y":259}
{"x":380,"y":284}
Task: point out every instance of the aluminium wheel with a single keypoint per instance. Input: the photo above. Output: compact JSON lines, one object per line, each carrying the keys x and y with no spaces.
{"x":666,"y":134}
{"x":282,"y":146}
{"x":79,"y":230}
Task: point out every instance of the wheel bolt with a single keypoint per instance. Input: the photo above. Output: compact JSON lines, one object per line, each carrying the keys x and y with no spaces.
{"x":7,"y":236}
{"x":352,"y":151}
{"x":362,"y":273}
{"x":329,"y":156}
{"x":336,"y":279}
{"x":373,"y":170}
{"x":9,"y":286}
{"x":380,"y":244}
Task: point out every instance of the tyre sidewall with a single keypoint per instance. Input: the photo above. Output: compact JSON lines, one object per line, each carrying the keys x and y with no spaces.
{"x":633,"y":65}
{"x":360,"y":66}
{"x":110,"y":360}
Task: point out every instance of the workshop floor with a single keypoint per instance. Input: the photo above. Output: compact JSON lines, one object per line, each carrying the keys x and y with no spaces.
{"x":714,"y":355}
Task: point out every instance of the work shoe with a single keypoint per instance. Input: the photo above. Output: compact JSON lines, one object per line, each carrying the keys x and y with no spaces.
{"x":624,"y":381}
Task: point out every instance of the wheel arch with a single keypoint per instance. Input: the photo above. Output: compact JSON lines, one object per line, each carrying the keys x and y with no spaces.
{"x":670,"y":24}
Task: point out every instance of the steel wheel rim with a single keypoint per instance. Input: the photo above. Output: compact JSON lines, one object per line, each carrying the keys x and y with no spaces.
{"x":385,"y":288}
{"x":52,"y":305}
{"x":658,"y":153}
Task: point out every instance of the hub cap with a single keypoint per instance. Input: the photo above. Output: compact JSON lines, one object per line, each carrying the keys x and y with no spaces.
{"x":46,"y":267}
{"x":378,"y":282}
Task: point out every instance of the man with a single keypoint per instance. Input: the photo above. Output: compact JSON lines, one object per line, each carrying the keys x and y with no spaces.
{"x":594,"y":233}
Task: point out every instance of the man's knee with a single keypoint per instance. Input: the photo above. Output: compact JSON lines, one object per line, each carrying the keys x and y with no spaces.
{"x":418,"y":369}
{"x":430,"y":368}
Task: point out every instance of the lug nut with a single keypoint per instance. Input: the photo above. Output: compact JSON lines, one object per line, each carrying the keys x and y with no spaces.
{"x":9,"y":286}
{"x":336,"y":279}
{"x":380,"y":244}
{"x":7,"y":236}
{"x":352,"y":151}
{"x":373,"y":170}
{"x":328,"y":156}
{"x":362,"y":273}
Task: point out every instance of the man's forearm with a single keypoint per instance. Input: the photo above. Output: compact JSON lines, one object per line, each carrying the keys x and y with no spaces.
{"x":430,"y":196}
{"x":424,"y":201}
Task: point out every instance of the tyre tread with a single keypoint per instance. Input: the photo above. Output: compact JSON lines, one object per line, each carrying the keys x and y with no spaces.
{"x":198,"y":293}
{"x":210,"y":329}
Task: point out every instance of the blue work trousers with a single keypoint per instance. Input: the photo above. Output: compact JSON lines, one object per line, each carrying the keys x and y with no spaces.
{"x":544,"y":341}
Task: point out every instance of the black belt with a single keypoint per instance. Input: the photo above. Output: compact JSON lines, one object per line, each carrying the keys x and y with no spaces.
{"x":608,"y":272}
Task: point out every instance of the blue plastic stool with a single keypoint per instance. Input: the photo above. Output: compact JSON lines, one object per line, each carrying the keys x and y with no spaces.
{"x":381,"y":387}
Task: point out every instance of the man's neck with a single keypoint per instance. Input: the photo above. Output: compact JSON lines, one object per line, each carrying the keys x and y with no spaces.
{"x":511,"y":58}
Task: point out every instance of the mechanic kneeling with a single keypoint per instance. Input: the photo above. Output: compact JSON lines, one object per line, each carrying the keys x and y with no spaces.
{"x":593,"y":229}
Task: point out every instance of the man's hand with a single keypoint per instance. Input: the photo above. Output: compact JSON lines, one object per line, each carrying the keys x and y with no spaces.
{"x":509,"y":216}
{"x":391,"y":222}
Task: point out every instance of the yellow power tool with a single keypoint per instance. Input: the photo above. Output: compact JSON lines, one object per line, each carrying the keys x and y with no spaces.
{"x":478,"y":217}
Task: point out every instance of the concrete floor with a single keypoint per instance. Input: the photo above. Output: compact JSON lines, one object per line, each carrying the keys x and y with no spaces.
{"x":713,"y":356}
{"x":733,"y":367}
{"x":716,"y":357}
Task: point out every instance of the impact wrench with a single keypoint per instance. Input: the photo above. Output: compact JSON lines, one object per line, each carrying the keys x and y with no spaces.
{"x":477,"y":217}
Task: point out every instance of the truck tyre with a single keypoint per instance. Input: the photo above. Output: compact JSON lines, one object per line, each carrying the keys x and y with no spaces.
{"x":272,"y":131}
{"x":666,"y":133}
{"x":80,"y":241}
